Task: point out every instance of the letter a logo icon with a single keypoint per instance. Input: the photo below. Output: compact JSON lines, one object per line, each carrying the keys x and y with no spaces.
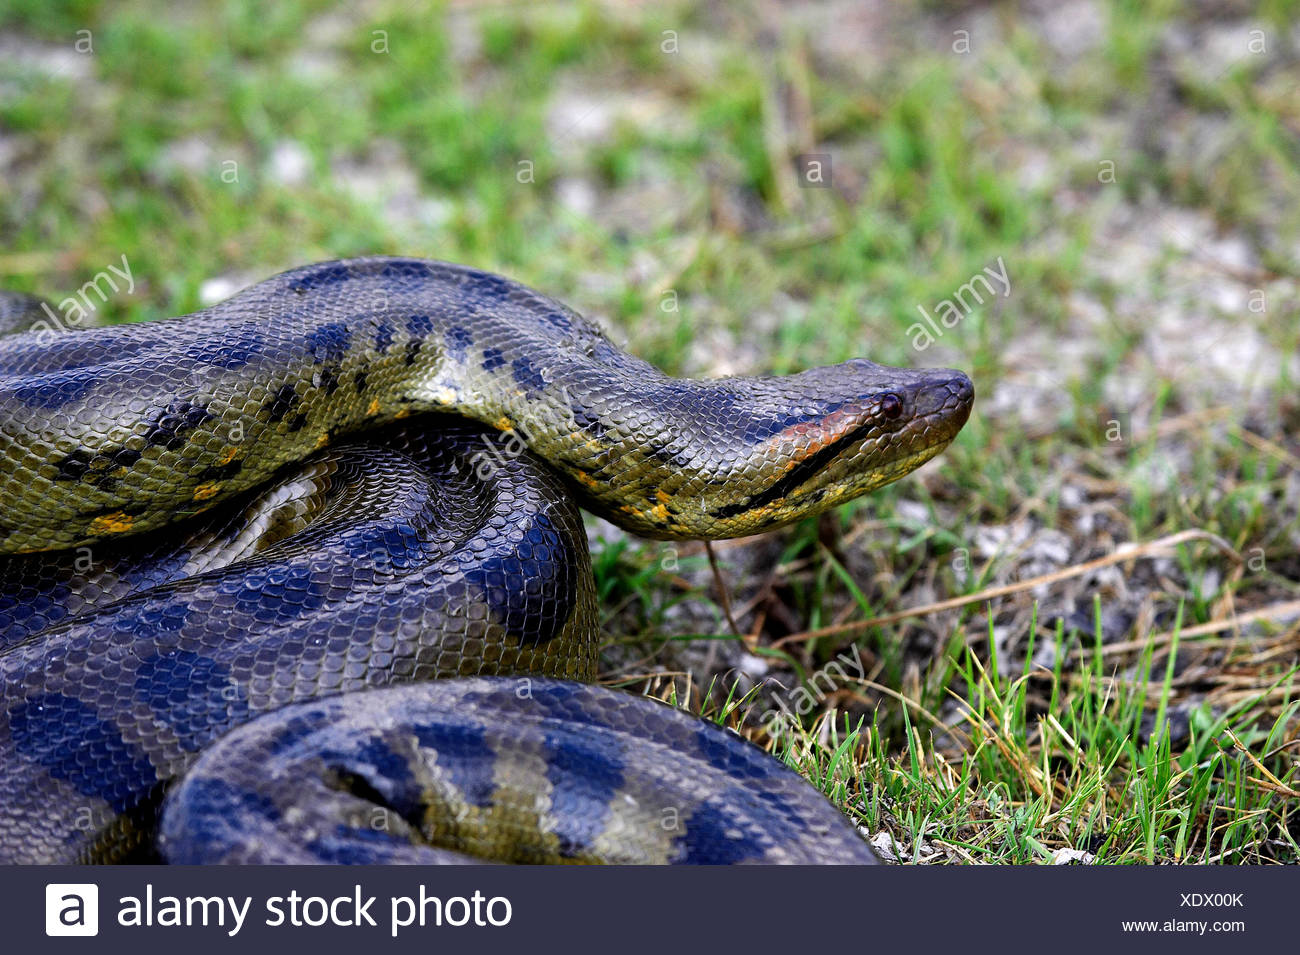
{"x":71,"y":908}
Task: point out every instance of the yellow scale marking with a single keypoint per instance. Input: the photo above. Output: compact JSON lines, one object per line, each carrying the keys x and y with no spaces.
{"x":116,"y":523}
{"x":207,"y":490}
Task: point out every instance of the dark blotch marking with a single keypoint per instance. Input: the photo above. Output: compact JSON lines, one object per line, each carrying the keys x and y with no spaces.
{"x":465,"y":756}
{"x":589,"y":423}
{"x":398,"y":546}
{"x":220,"y":472}
{"x":380,"y":775}
{"x":731,"y":754}
{"x":359,"y":381}
{"x":330,"y":342}
{"x":558,"y":319}
{"x":706,"y":842}
{"x":297,"y":729}
{"x":458,"y":340}
{"x":585,"y":776}
{"x":384,"y":337}
{"x":75,"y":744}
{"x":55,"y":389}
{"x":327,"y":275}
{"x":527,"y":374}
{"x":419,"y":326}
{"x":192,"y":694}
{"x":677,"y":459}
{"x":394,"y":786}
{"x":284,"y":401}
{"x":493,"y":359}
{"x":218,"y":806}
{"x":328,"y":379}
{"x":169,"y":429}
{"x":405,"y":269}
{"x":124,"y":457}
{"x":485,"y":285}
{"x":74,"y":466}
{"x":276,"y":594}
{"x":234,"y":353}
{"x":413,"y":350}
{"x":533,"y":581}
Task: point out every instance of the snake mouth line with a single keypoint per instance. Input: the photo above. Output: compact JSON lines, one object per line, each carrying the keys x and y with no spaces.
{"x":939,"y":412}
{"x":798,"y":475}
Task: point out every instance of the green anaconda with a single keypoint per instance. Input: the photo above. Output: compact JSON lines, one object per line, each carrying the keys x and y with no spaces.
{"x":238,"y":544}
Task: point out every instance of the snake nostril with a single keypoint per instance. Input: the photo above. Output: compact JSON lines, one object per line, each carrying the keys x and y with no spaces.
{"x":891,"y":406}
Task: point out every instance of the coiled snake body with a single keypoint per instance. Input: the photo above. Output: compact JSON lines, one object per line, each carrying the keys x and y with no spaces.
{"x":239,"y":542}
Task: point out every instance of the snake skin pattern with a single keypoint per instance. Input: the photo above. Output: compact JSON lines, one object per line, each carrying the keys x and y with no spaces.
{"x":257,"y":519}
{"x":657,"y":785}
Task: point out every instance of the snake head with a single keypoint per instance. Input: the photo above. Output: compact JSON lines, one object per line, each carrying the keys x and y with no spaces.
{"x":752,"y":454}
{"x":884,"y":423}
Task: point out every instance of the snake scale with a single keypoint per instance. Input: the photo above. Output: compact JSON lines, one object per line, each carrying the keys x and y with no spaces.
{"x":237,"y":546}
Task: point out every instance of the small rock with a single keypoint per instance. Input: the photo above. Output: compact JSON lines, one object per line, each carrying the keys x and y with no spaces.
{"x":289,"y":164}
{"x":221,"y":287}
{"x":1072,"y":856}
{"x":883,"y":843}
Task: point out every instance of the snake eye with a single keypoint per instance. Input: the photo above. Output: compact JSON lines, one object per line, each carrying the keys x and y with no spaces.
{"x":891,"y":406}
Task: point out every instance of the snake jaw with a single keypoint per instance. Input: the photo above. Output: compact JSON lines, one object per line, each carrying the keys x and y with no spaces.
{"x":860,"y":444}
{"x":896,"y":433}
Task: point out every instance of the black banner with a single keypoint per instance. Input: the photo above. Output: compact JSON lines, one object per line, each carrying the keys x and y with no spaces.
{"x":491,"y":909}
